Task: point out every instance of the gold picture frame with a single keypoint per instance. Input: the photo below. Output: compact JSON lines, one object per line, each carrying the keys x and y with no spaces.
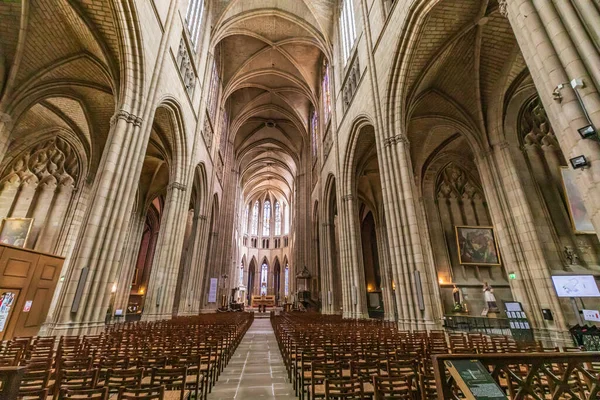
{"x":581,"y":222}
{"x":15,"y":231}
{"x":472,"y":242}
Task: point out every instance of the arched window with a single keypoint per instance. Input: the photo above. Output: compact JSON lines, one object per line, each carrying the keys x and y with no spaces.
{"x":241,"y":275}
{"x":193,"y":18}
{"x":326,"y":93}
{"x":347,"y":29}
{"x":314,"y":121}
{"x":254,"y":230}
{"x":267,"y":218}
{"x":286,"y":279}
{"x":277,"y":218}
{"x":245,"y":220}
{"x":286,"y":221}
{"x":263,"y":279}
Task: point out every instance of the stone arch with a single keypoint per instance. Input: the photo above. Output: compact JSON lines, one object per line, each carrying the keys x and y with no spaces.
{"x":173,"y":128}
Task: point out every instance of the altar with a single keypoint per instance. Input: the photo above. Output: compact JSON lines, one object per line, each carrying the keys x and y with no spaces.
{"x":268,"y":301}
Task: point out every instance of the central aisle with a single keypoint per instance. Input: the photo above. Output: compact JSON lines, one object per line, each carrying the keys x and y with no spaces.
{"x":256,"y":370}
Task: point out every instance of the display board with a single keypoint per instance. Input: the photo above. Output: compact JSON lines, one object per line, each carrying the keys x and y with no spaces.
{"x":474,"y":380}
{"x":575,"y":286}
{"x":519,"y":324}
{"x":212,"y":293}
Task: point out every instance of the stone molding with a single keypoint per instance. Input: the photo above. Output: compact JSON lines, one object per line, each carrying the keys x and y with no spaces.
{"x":387,"y":142}
{"x":177,"y":185}
{"x":127,"y":117}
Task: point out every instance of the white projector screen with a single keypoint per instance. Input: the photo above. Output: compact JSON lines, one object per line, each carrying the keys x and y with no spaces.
{"x":575,"y":286}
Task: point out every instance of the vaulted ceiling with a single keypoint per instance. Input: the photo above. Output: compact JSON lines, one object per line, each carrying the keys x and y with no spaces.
{"x":466,"y":58}
{"x":272,"y":53}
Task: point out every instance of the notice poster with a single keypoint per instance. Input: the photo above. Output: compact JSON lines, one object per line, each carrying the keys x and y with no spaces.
{"x":212,"y":293}
{"x":6,"y":302}
{"x":27,"y":306}
{"x":591,"y":315}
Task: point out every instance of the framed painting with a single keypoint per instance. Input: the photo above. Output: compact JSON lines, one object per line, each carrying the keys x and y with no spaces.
{"x":15,"y":231}
{"x":580,"y":219}
{"x":477,"y":245}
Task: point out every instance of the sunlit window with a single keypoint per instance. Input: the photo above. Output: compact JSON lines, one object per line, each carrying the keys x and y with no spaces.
{"x":193,"y":18}
{"x":347,"y":29}
{"x":263,"y":279}
{"x":286,"y":278}
{"x":254,"y":226}
{"x":286,"y":221}
{"x":267,"y":218}
{"x":314,"y":121}
{"x":245,"y":220}
{"x":277,"y":218}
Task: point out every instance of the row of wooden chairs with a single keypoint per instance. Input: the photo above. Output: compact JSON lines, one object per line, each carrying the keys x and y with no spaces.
{"x":327,"y":351}
{"x":184,"y":356}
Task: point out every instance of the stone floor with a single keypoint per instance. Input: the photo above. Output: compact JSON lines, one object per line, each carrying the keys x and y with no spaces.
{"x":256,"y":370}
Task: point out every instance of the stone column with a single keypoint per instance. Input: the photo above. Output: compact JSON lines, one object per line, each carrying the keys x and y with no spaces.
{"x":198,"y":265}
{"x":7,"y":194}
{"x":42,"y":205}
{"x":130,"y":258}
{"x":163,"y":276}
{"x":520,"y":245}
{"x":55,"y":219}
{"x":102,"y":238}
{"x":25,"y":197}
{"x":559,"y":43}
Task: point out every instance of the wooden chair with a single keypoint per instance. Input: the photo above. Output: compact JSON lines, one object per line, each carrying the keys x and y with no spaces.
{"x":391,"y":388}
{"x":153,"y":393}
{"x":196,"y":379}
{"x":88,"y":394}
{"x":343,"y":389}
{"x":320,"y":372}
{"x":123,"y":378}
{"x":76,"y":380}
{"x":173,"y":379}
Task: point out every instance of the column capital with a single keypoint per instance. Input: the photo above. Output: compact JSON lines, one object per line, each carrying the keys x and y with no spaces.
{"x":202,"y":217}
{"x":400,"y":138}
{"x":177,"y":185}
{"x":127,"y":117}
{"x":348,"y":197}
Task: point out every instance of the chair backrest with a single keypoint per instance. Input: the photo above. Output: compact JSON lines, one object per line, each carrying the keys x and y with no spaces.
{"x":127,"y":378}
{"x":39,"y":394}
{"x":392,"y":388}
{"x":364,"y":370}
{"x":320,"y":371}
{"x":343,"y":389}
{"x":76,"y":380}
{"x":170,"y":378}
{"x":34,"y":380}
{"x":153,"y":393}
{"x":87,"y":394}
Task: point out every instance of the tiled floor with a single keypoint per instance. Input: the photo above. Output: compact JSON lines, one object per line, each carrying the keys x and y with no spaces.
{"x":256,"y":370}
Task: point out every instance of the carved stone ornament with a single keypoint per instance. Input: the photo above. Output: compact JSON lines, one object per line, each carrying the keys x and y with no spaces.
{"x":52,"y":159}
{"x":503,"y":7}
{"x":454,"y":182}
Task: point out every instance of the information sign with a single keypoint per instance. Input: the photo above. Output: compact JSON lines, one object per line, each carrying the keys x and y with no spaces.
{"x":474,"y":380}
{"x":212,"y":293}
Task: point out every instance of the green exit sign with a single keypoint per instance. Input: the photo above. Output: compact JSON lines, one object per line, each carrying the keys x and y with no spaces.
{"x":512,"y":275}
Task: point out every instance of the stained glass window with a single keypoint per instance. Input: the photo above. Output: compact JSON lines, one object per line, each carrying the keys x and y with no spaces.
{"x":267,"y":218}
{"x":254,"y":230}
{"x":193,"y":18}
{"x":245,"y":220}
{"x":326,"y":93}
{"x":286,"y":278}
{"x":314,"y":121}
{"x":277,"y":218}
{"x":263,"y":279}
{"x":347,"y":29}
